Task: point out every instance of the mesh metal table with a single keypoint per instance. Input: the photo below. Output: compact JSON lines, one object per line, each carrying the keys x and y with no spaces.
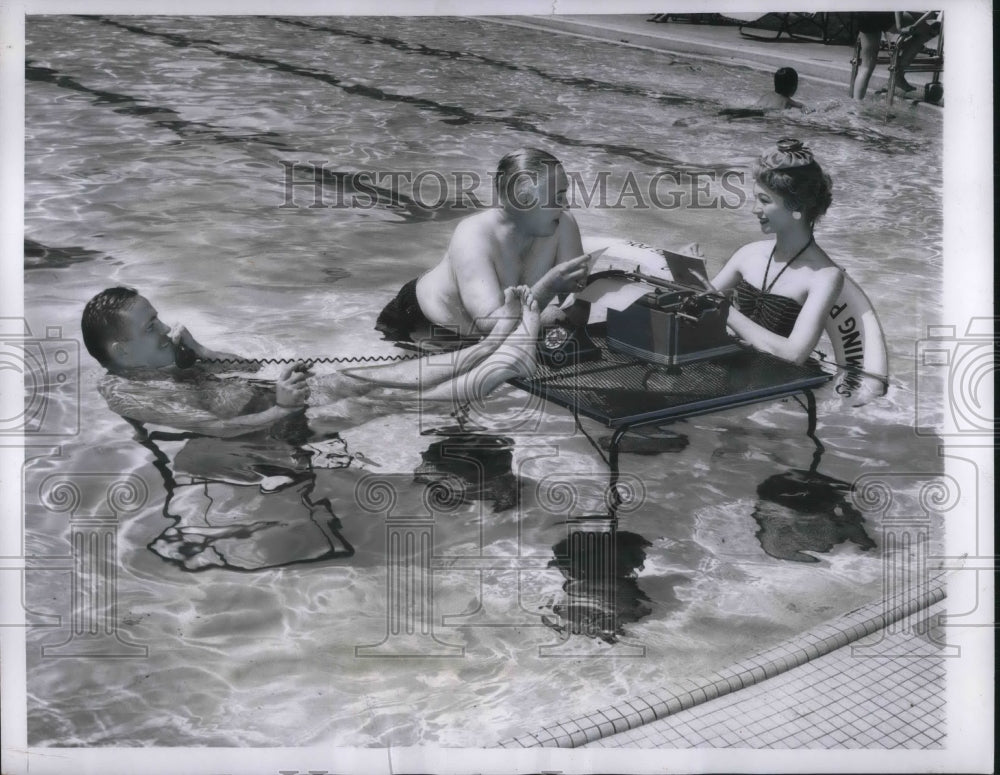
{"x":623,"y":392}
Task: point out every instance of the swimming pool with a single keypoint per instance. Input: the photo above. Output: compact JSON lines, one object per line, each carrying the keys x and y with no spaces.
{"x":154,"y":159}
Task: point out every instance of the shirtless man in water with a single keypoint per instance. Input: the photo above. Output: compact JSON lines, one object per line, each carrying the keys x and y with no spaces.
{"x":530,"y":239}
{"x":166,"y":377}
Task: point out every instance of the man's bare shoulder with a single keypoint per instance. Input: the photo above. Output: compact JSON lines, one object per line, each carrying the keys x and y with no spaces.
{"x":482,"y":223}
{"x":474,"y":233}
{"x":567,"y":222}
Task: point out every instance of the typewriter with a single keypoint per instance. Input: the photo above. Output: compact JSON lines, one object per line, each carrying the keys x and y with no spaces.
{"x":671,"y":324}
{"x":664,"y":321}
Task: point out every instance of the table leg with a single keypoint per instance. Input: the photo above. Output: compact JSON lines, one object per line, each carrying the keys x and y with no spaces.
{"x":811,"y":411}
{"x":811,"y":429}
{"x":614,"y":499}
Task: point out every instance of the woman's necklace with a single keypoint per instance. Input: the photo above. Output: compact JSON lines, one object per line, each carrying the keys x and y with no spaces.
{"x":767,"y":288}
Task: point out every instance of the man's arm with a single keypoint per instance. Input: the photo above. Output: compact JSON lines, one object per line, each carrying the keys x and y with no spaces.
{"x":164,"y":403}
{"x":472,"y":253}
{"x":568,"y":248}
{"x":247,"y":423}
{"x":570,"y":242}
{"x":148,"y":403}
{"x":568,"y":273}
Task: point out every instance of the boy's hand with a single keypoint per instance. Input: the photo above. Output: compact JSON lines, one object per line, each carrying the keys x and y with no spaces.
{"x":291,"y":388}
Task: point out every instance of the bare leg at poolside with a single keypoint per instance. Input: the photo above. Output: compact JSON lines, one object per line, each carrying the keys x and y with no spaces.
{"x":869,"y":53}
{"x":912,"y":44}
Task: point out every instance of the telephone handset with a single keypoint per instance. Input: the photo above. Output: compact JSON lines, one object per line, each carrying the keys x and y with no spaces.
{"x":184,"y":356}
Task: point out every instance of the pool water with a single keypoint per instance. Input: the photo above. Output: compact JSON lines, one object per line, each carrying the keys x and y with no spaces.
{"x":154,"y":159}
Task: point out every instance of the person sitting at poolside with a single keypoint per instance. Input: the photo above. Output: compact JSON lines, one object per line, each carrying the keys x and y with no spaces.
{"x":167,"y":379}
{"x":912,"y":37}
{"x":913,"y":34}
{"x":530,"y":239}
{"x":786,"y":83}
{"x":784,"y":288}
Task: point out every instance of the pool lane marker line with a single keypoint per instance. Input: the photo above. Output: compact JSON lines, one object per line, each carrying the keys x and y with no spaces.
{"x":455,"y":114}
{"x":661,"y":45}
{"x":686,"y":693}
{"x":686,"y":47}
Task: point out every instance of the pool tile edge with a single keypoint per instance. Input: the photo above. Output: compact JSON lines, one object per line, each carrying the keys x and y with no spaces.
{"x":795,"y":652}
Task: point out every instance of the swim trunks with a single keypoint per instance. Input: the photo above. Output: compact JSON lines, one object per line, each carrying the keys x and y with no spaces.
{"x":402,"y":316}
{"x":775,"y":313}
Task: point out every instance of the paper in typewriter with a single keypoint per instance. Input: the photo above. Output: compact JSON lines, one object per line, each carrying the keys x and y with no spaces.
{"x":655,"y":262}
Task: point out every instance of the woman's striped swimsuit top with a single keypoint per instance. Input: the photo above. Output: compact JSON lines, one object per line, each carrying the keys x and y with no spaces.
{"x":775,"y":313}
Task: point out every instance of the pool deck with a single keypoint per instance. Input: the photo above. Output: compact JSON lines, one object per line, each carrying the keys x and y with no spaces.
{"x":884,"y":691}
{"x":872,"y":679}
{"x":812,"y":59}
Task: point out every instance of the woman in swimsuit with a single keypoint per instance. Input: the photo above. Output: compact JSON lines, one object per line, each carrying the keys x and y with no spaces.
{"x":784,"y":289}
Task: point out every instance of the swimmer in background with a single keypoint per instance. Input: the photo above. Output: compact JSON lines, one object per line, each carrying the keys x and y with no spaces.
{"x":166,"y":378}
{"x":786,"y":83}
{"x":783,"y":289}
{"x":529,"y":239}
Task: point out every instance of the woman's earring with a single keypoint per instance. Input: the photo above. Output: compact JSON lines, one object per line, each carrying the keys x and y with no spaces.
{"x":797,"y":215}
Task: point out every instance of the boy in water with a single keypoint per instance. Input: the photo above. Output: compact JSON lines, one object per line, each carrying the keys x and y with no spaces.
{"x":166,"y":378}
{"x":786,"y":83}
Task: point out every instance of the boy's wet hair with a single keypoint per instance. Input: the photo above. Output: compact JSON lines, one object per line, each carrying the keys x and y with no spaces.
{"x":102,"y":322}
{"x":524,"y":162}
{"x":791,"y":171}
{"x":786,"y":81}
